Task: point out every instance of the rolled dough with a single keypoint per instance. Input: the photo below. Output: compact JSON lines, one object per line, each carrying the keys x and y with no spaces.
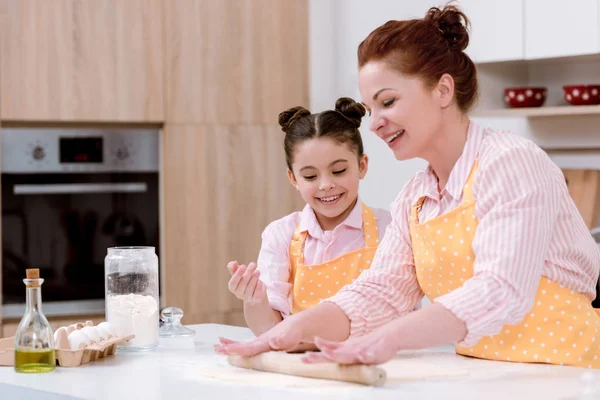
{"x":398,"y":370}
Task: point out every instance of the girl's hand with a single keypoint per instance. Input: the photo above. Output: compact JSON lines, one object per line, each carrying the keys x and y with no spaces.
{"x":245,"y":283}
{"x":376,"y":347}
{"x":284,"y":336}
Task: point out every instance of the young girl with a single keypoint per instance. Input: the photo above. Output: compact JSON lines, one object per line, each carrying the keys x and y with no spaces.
{"x":308,"y":256}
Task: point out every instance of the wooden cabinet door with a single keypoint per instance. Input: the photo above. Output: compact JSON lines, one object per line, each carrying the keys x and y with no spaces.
{"x":235,"y":61}
{"x":222,"y":186}
{"x":79,"y":60}
{"x":584,"y":188}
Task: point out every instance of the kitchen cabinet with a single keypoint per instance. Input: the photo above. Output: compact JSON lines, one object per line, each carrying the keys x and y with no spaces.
{"x":584,"y":188}
{"x":74,"y":60}
{"x":557,"y":29}
{"x":233,"y":61}
{"x":231,"y":67}
{"x":222,"y":185}
{"x":496,"y":30}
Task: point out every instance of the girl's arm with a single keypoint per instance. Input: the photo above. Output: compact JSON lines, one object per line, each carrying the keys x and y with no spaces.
{"x":259,"y":315}
{"x":273,"y":276}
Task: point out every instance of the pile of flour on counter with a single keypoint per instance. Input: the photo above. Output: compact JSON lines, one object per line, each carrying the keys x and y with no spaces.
{"x":134,"y":314}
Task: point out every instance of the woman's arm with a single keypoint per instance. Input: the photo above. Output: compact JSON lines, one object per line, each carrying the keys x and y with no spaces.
{"x":431,"y":326}
{"x":385,"y":291}
{"x":518,"y":197}
{"x":389,"y":288}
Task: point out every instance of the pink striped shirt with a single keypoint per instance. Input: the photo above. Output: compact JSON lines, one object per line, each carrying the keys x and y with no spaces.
{"x":321,"y":246}
{"x":528,"y":227}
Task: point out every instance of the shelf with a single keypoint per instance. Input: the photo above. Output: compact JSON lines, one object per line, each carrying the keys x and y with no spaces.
{"x":580,"y":58}
{"x":533,"y":112}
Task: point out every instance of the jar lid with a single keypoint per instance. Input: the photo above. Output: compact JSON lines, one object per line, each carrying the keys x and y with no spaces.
{"x":171,"y":324}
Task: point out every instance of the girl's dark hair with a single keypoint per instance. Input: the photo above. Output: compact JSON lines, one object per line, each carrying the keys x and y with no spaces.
{"x":340,"y":125}
{"x":427,"y":48}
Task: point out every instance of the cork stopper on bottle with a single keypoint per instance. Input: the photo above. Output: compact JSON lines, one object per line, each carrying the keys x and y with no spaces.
{"x":33,"y":279}
{"x":33,"y":273}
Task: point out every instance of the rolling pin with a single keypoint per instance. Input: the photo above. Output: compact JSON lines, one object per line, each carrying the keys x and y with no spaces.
{"x":291,"y":364}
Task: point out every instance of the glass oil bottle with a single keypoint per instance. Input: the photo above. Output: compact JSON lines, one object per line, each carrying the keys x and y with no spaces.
{"x":34,"y":341}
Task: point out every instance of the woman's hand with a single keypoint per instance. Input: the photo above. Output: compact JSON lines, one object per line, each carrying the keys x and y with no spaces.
{"x":284,"y":336}
{"x":245,"y":283}
{"x":376,"y":347}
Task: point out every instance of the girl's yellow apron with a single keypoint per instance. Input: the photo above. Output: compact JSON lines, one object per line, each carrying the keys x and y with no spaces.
{"x":312,"y":284}
{"x":561,"y":328}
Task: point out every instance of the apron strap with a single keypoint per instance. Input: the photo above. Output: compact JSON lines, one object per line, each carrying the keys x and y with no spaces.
{"x":297,"y":251}
{"x":370,"y":227}
{"x":414,"y":210}
{"x":468,"y":188}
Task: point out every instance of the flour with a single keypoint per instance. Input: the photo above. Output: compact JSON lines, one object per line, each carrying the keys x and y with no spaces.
{"x":134,"y":314}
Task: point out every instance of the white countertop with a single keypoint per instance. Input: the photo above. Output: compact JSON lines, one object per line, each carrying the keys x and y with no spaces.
{"x":172,"y":371}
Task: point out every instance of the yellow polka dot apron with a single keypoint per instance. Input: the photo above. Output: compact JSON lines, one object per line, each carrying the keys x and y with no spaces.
{"x":312,"y":284}
{"x":561,"y":328}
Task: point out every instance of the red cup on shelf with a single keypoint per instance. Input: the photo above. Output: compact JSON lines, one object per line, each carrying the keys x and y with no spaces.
{"x":582,"y":95}
{"x":525,"y":96}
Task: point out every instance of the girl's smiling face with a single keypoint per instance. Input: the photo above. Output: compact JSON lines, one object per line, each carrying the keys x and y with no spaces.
{"x":327,"y":174}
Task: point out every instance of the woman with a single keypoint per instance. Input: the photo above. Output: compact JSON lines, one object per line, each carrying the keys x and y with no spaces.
{"x":487,"y":231}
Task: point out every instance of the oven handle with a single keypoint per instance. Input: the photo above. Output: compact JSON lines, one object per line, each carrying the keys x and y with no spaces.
{"x":80,"y":188}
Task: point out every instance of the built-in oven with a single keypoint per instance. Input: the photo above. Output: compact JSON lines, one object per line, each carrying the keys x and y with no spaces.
{"x":68,"y":195}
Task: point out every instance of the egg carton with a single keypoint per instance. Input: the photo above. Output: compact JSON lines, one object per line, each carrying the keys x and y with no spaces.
{"x":65,"y":356}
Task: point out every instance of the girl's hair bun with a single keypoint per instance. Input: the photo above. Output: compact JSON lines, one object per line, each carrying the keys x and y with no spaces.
{"x":350,"y":109}
{"x":289,"y":116}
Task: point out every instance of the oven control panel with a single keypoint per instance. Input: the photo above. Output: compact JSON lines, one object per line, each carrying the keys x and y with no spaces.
{"x":79,"y":150}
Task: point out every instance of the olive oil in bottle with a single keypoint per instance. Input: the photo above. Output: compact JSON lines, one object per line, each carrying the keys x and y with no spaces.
{"x":34,"y":341}
{"x":32,"y":361}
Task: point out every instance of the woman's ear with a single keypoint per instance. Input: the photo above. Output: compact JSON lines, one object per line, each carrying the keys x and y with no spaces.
{"x":444,"y":90}
{"x":363,"y":166}
{"x":292,"y":179}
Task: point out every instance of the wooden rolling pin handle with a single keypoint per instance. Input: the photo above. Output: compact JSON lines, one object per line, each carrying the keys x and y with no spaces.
{"x":291,"y":364}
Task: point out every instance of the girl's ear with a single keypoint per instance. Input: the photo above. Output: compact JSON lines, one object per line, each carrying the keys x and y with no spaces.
{"x":363,"y":166}
{"x":292,"y":179}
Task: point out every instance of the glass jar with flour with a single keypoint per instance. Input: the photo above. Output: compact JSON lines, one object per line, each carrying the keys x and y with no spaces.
{"x":132,"y":301}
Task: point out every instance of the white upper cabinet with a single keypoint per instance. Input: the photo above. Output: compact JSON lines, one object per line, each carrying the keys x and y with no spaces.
{"x":496,"y":29}
{"x":356,"y":20}
{"x":561,"y":29}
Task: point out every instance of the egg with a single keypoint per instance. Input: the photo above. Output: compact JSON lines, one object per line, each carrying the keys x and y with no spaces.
{"x":92,"y":333}
{"x":78,"y":340}
{"x":102,"y":332}
{"x":107,"y":326}
{"x":61,"y":339}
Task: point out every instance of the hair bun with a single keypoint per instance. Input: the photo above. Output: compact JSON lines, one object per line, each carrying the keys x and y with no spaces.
{"x":289,"y":116}
{"x":452,"y":23}
{"x":350,"y":109}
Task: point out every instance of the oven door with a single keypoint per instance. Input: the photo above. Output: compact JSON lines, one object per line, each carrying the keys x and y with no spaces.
{"x":63,"y":223}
